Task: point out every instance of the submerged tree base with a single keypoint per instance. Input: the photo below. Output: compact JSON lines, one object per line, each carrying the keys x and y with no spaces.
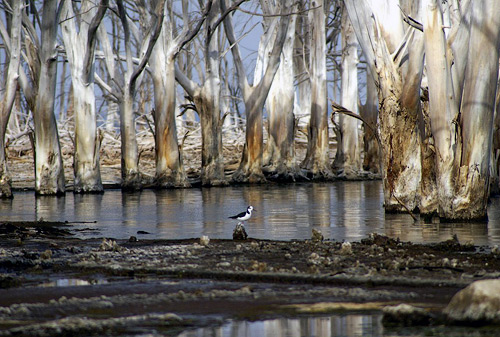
{"x":172,"y":180}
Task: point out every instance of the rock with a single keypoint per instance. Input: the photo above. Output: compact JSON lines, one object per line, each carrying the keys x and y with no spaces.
{"x":316,"y":236}
{"x":239,"y":232}
{"x":46,"y":255}
{"x":346,"y":248}
{"x":204,"y":240}
{"x":479,"y":303}
{"x":109,"y":245}
{"x":132,"y":239}
{"x":406,"y":315}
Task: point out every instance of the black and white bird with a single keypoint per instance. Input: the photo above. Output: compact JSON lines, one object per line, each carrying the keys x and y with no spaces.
{"x":243,"y":216}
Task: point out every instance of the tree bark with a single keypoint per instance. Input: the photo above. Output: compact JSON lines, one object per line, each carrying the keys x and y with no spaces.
{"x":369,"y":112}
{"x":250,"y":169}
{"x":317,"y":156}
{"x":462,"y":92}
{"x":279,"y":153}
{"x":348,"y":158}
{"x":397,"y":68}
{"x":49,"y":170}
{"x":80,"y":47}
{"x":7,"y":101}
{"x":477,"y":111}
{"x":206,"y":99}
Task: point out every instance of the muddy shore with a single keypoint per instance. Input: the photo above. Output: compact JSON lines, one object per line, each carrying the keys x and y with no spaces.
{"x":52,"y":284}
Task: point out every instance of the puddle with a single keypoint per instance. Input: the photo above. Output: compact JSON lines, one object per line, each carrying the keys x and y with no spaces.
{"x":71,"y":282}
{"x":349,"y":325}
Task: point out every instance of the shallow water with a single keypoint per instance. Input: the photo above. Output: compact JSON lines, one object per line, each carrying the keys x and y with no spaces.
{"x":341,"y":210}
{"x":348,"y":325}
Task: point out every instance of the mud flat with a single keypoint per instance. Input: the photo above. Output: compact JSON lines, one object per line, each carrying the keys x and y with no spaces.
{"x":54,"y":285}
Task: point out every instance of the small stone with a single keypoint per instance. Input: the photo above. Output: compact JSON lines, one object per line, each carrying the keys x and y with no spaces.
{"x":239,"y":232}
{"x":405,"y":315}
{"x":317,"y":236}
{"x":204,"y":240}
{"x":132,"y":239}
{"x":346,"y":248}
{"x":46,"y":255}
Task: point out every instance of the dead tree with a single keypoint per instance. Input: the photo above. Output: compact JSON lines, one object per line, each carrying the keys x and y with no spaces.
{"x":12,"y":42}
{"x":79,"y":31}
{"x":254,"y":96}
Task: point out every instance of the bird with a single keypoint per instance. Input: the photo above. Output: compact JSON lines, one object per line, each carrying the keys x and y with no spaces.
{"x":243,"y":216}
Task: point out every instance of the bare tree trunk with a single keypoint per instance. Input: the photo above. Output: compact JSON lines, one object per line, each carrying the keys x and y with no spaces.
{"x":169,"y":169}
{"x":279,"y":154}
{"x":477,"y":110}
{"x":369,"y":112}
{"x":397,"y":69}
{"x":80,"y":46}
{"x":462,"y":119}
{"x":348,"y":158}
{"x":131,"y":177}
{"x":206,"y":99}
{"x":49,"y":170}
{"x":317,"y":158}
{"x":7,"y":101}
{"x":250,"y":169}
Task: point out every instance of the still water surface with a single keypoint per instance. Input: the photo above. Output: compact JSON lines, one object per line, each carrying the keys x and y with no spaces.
{"x":341,"y":210}
{"x":351,"y":325}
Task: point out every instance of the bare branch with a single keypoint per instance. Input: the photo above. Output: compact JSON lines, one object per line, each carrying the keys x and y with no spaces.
{"x":222,"y":17}
{"x":410,"y":21}
{"x":92,"y":37}
{"x":337,"y":108}
{"x":157,"y":25}
{"x":193,"y":32}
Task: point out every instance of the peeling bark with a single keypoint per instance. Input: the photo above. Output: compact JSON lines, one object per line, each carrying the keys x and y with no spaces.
{"x":80,"y":47}
{"x":279,"y":153}
{"x":462,"y":105}
{"x":49,"y":170}
{"x":317,"y":159}
{"x":397,"y":69}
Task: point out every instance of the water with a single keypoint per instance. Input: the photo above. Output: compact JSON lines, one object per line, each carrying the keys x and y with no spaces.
{"x":340,"y":210}
{"x":348,"y":325}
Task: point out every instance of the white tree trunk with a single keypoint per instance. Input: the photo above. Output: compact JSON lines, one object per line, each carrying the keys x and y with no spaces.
{"x":317,"y":156}
{"x":348,"y":158}
{"x":9,"y":95}
{"x":398,"y":77}
{"x":206,"y":99}
{"x":49,"y":170}
{"x":254,"y":97}
{"x":279,"y":154}
{"x":169,"y":169}
{"x":80,"y":44}
{"x":462,"y":119}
